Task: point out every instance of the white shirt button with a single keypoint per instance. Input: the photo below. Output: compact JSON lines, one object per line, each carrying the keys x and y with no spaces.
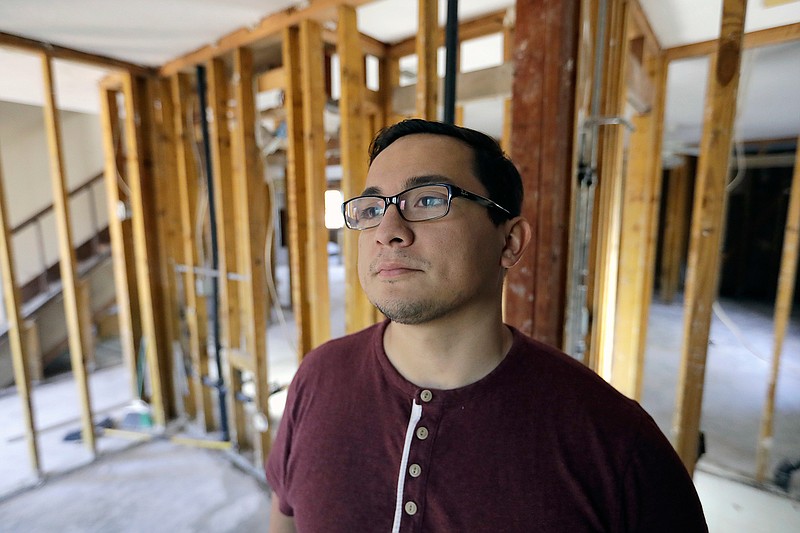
{"x":411,"y":508}
{"x":426,"y":396}
{"x":422,"y":433}
{"x":414,"y":470}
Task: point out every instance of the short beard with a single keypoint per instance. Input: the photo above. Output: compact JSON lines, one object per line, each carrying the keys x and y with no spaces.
{"x":412,"y":313}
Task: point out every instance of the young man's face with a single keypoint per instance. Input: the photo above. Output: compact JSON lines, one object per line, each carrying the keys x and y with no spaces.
{"x":416,"y":272}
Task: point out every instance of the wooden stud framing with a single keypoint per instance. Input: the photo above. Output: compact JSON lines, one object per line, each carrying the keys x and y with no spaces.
{"x":224,"y":207}
{"x":783,"y":310}
{"x":252,"y":208}
{"x":542,"y":132}
{"x":390,"y":78}
{"x":109,"y":113}
{"x":296,"y":192}
{"x":639,"y":192}
{"x":313,"y":87}
{"x":271,"y":26}
{"x":657,"y":65}
{"x":755,"y":39}
{"x":353,"y":148}
{"x":143,"y":235}
{"x":427,"y":77}
{"x":471,"y":29}
{"x":607,"y":212}
{"x":19,"y":355}
{"x":196,"y":312}
{"x":168,"y":218}
{"x":676,"y":217}
{"x":67,"y":262}
{"x":707,"y":227}
{"x":60,"y":52}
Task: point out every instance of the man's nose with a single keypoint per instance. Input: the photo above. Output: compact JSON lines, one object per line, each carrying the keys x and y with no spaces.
{"x":394,"y":230}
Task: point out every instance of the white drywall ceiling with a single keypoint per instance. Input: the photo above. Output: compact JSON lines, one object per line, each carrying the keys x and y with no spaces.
{"x":154,"y":31}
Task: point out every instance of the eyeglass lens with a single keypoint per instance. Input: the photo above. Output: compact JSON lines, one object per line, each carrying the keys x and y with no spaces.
{"x":415,"y":205}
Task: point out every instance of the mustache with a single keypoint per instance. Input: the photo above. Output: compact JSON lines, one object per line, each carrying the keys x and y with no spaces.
{"x":400,"y":257}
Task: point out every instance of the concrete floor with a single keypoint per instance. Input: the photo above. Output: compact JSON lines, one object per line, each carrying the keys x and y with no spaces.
{"x":161,"y":486}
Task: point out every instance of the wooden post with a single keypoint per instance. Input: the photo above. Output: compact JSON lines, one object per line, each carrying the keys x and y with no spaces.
{"x":634,"y":243}
{"x":67,"y":263}
{"x":226,"y":234}
{"x":390,"y":78}
{"x":542,"y":133}
{"x":508,"y":55}
{"x":170,"y":249}
{"x":109,"y":114}
{"x":19,"y":355}
{"x":426,"y":46}
{"x":658,"y":66}
{"x":84,"y":298}
{"x":196,"y":311}
{"x":33,"y":350}
{"x":253,"y":207}
{"x":313,"y":86}
{"x":707,"y":225}
{"x":607,"y":212}
{"x":296,"y":192}
{"x":676,"y":216}
{"x":353,"y":148}
{"x":143,"y":237}
{"x":783,"y":309}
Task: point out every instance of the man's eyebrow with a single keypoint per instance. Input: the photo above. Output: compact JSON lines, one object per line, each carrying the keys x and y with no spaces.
{"x":413,"y":181}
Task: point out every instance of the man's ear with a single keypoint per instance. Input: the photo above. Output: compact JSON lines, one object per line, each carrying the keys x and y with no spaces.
{"x":518,"y":236}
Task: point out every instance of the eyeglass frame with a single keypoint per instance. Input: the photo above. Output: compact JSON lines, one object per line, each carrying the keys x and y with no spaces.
{"x":453,"y":191}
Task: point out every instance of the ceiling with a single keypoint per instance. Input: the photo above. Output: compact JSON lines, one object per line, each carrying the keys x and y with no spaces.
{"x":152,"y":32}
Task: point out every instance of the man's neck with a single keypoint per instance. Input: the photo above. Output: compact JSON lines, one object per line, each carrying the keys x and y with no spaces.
{"x":449,"y":352}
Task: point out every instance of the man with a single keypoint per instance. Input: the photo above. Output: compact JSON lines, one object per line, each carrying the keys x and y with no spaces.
{"x":442,"y":418}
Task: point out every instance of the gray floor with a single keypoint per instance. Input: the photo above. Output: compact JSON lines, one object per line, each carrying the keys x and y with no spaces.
{"x":161,"y":486}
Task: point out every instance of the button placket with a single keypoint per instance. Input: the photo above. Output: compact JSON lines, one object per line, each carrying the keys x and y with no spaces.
{"x":419,"y":459}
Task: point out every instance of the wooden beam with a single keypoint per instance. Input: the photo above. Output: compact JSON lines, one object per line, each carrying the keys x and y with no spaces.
{"x":707,"y":228}
{"x":482,"y":26}
{"x":353,"y":149}
{"x":272,"y":79}
{"x":542,"y":133}
{"x":753,"y":39}
{"x":60,"y":52}
{"x":607,"y":212}
{"x":676,"y":217}
{"x":657,"y":66}
{"x":490,"y":82}
{"x":196,"y":311}
{"x":19,"y":349}
{"x":225,"y":207}
{"x":168,"y":225}
{"x":426,"y":88}
{"x":783,"y":310}
{"x":313,"y":87}
{"x":269,"y":27}
{"x":109,"y":116}
{"x":136,"y":129}
{"x":67,"y":263}
{"x":508,"y":57}
{"x":253,"y":207}
{"x":638,"y":194}
{"x":296,"y":202}
{"x":389,"y":79}
{"x":367,"y":44}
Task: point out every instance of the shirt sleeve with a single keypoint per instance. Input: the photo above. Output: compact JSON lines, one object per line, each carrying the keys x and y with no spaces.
{"x":659,"y":492}
{"x":277,"y":462}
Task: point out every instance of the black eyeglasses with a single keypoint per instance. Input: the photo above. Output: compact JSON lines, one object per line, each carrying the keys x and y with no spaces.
{"x":423,"y":202}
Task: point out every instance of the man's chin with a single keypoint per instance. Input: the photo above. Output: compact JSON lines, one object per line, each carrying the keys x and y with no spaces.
{"x":410,"y":313}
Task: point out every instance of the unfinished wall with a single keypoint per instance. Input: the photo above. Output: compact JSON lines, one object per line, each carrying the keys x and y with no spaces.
{"x":25,"y":169}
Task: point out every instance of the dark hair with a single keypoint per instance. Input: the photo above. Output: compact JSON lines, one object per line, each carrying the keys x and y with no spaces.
{"x":492,"y":167}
